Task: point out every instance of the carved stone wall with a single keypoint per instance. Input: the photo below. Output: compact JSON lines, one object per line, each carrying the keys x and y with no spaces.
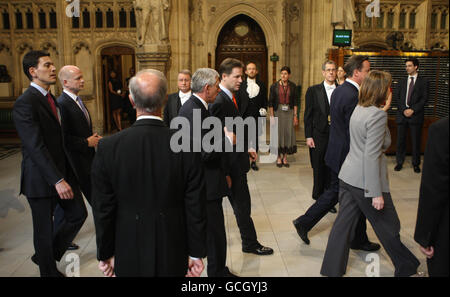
{"x":298,"y":31}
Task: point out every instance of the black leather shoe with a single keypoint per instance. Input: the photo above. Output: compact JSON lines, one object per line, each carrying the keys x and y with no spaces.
{"x":333,"y":210}
{"x":416,"y":169}
{"x":254,"y":166}
{"x":301,"y":231}
{"x":368,"y":247}
{"x":279,"y":165}
{"x":398,"y":167}
{"x":260,"y":250}
{"x":72,"y":247}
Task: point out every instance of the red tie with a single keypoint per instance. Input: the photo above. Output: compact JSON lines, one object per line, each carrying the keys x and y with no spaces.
{"x":52,"y":104}
{"x":235,"y":103}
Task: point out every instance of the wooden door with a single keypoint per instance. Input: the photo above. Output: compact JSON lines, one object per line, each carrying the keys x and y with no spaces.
{"x":242,"y":38}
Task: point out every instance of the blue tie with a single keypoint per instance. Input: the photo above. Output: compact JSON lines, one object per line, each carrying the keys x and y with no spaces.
{"x":83,"y":108}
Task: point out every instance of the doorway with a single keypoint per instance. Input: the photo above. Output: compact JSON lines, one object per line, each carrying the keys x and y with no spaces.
{"x":242,"y":38}
{"x":120,"y":59}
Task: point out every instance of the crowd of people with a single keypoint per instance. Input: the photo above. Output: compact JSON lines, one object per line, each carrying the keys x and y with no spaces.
{"x":172,"y":226}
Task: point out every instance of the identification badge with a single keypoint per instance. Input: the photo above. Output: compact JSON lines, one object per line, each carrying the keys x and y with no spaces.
{"x":284,"y":107}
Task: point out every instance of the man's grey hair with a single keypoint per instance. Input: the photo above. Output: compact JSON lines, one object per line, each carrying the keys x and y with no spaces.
{"x":150,"y":100}
{"x":324,"y":65}
{"x":185,"y":71}
{"x":203,"y":77}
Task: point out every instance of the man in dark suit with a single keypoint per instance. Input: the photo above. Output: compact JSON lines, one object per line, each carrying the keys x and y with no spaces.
{"x":205,"y":87}
{"x":226,"y":106}
{"x":47,"y":175}
{"x":80,"y":142}
{"x":317,"y":126}
{"x":79,"y":138}
{"x":343,"y":101}
{"x":252,"y":101}
{"x":433,"y":213}
{"x":176,"y":100}
{"x":146,"y":225}
{"x":411,"y":97}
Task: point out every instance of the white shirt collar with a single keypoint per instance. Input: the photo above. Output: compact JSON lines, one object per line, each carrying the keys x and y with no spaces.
{"x":148,"y":117}
{"x":202,"y":101}
{"x":184,"y":96}
{"x":415,"y":77}
{"x":39,"y":88}
{"x":228,"y":92}
{"x":326,"y":85}
{"x":71,"y":95}
{"x":353,"y":83}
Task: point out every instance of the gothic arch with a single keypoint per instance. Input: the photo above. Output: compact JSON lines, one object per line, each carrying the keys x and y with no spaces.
{"x":268,"y":26}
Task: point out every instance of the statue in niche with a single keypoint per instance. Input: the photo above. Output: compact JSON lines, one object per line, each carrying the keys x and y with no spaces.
{"x":4,"y":76}
{"x":152,"y":21}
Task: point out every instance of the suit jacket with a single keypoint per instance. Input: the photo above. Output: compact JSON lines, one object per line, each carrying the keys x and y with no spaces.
{"x":365,"y":166}
{"x":317,"y":110}
{"x":223,"y":106}
{"x":433,"y":212}
{"x":419,"y":98}
{"x":250,"y":107}
{"x":76,"y":130}
{"x":343,"y":102}
{"x":274,"y":98}
{"x":213,"y":162}
{"x":44,"y":160}
{"x":148,"y":202}
{"x":172,"y":108}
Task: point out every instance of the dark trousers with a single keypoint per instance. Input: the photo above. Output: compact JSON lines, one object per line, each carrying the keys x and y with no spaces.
{"x":51,"y":243}
{"x":240,"y":201}
{"x":324,"y":203}
{"x":216,"y":238}
{"x":385,"y":223}
{"x":439,"y":263}
{"x":85,"y":185}
{"x":416,"y":131}
{"x":320,"y":169}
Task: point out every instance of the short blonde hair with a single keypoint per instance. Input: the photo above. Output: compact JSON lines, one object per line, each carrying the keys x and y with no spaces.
{"x":375,"y":88}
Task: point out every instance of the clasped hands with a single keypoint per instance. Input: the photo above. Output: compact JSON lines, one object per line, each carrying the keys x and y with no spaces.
{"x":93,"y":140}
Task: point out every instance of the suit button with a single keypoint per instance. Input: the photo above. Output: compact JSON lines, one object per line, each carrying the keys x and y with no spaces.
{"x":137,"y":217}
{"x":161,"y":214}
{"x":367,"y":191}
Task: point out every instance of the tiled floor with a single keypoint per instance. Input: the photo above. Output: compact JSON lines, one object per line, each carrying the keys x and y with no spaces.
{"x":278,"y":196}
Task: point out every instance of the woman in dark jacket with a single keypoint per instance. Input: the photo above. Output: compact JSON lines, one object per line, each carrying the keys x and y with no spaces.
{"x":283,"y":102}
{"x":115,"y":98}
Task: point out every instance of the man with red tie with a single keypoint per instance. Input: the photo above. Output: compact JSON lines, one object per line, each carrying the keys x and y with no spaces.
{"x":237,"y":165}
{"x":47,"y":175}
{"x":411,"y":96}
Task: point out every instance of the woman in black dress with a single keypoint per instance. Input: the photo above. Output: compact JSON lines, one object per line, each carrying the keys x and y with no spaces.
{"x":115,"y":98}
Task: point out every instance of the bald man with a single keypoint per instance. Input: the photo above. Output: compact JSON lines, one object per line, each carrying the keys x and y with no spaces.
{"x":145,"y":225}
{"x":79,"y":139}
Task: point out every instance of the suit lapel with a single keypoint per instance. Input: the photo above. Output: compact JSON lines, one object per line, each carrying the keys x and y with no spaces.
{"x":322,"y":99}
{"x":78,"y":110}
{"x":44,"y":102}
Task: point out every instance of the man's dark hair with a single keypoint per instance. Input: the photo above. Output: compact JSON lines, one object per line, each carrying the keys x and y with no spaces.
{"x":226,"y":67}
{"x":286,"y":68}
{"x":355,"y":62}
{"x":31,"y":59}
{"x":415,"y":61}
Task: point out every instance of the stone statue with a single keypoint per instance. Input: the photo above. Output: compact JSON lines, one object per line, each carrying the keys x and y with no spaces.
{"x":4,"y":76}
{"x":343,"y":13}
{"x":152,"y":20}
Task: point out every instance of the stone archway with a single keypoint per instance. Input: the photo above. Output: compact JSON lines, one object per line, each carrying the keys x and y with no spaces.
{"x":268,"y":26}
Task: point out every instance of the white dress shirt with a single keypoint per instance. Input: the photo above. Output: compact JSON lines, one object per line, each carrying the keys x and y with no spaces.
{"x":74,"y":97}
{"x":148,"y":117}
{"x":329,"y":89}
{"x":228,"y":92}
{"x":252,"y":88}
{"x":202,"y":101}
{"x":184,"y":96}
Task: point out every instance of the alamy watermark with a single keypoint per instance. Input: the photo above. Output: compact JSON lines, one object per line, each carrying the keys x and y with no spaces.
{"x":189,"y":139}
{"x":73,"y":8}
{"x":373,"y":268}
{"x":373,"y":9}
{"x":73,"y":266}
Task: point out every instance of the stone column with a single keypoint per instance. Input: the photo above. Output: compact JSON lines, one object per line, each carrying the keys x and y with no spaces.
{"x":154,"y":57}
